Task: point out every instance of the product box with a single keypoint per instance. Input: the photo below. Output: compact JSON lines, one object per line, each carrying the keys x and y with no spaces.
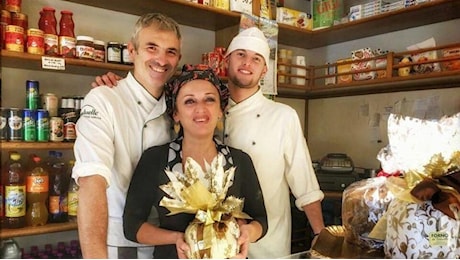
{"x":328,"y":71}
{"x":452,"y":64}
{"x":221,"y":4}
{"x":242,"y":6}
{"x":294,"y":18}
{"x":343,"y":68}
{"x":356,"y":13}
{"x":363,"y":65}
{"x":325,"y":12}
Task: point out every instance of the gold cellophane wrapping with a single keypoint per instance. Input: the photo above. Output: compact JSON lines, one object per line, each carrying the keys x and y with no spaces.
{"x":214,"y":232}
{"x":423,"y":219}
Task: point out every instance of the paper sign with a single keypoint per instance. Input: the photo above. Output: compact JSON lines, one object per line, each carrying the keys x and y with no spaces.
{"x":53,"y":63}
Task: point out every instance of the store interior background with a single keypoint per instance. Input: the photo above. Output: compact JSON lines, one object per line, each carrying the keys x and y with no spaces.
{"x":355,"y":125}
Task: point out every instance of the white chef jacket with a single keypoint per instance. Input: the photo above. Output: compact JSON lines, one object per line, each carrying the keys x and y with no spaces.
{"x":271,"y":134}
{"x":115,"y":126}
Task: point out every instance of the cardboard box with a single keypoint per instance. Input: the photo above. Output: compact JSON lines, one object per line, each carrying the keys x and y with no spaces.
{"x":342,"y":69}
{"x":294,"y":18}
{"x":242,"y":6}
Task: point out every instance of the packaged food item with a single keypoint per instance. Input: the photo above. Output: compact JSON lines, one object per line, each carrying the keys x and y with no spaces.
{"x":343,"y":68}
{"x":423,"y":220}
{"x":364,"y":203}
{"x":452,"y":64}
{"x":360,"y":54}
{"x":219,"y":240}
{"x":424,"y":56}
{"x":294,"y":18}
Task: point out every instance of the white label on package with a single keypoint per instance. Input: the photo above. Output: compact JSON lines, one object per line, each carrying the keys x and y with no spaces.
{"x":53,"y":63}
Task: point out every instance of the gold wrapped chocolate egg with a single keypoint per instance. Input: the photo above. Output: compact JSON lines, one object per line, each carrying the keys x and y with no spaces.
{"x":223,"y":242}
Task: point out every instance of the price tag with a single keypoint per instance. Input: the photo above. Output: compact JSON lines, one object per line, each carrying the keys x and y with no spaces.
{"x":53,"y":63}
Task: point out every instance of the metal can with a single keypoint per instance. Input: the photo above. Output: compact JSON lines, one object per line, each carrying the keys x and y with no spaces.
{"x":30,"y":125}
{"x":32,"y":94}
{"x":35,"y":41}
{"x":43,"y":125}
{"x":50,"y":102}
{"x":4,"y":123}
{"x":56,"y":129}
{"x":15,"y":125}
{"x":14,"y":38}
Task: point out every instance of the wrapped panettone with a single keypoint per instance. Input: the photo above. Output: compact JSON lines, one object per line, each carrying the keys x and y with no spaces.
{"x":423,"y":220}
{"x":363,"y":204}
{"x":214,"y":232}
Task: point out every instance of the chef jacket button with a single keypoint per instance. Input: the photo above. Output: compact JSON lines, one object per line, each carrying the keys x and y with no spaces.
{"x":227,"y":113}
{"x":145,"y":126}
{"x":226,"y":135}
{"x":253,"y":143}
{"x":139,"y":103}
{"x":258,"y":115}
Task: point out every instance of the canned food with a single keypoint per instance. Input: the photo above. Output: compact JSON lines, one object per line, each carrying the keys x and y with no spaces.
{"x":56,"y":129}
{"x":14,"y":38}
{"x":32,"y":94}
{"x":43,"y":125}
{"x":35,"y":41}
{"x":4,"y":123}
{"x":15,"y":124}
{"x":50,"y":102}
{"x":30,"y":125}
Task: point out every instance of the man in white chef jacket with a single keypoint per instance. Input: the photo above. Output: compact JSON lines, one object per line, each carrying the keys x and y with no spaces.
{"x":271,"y":134}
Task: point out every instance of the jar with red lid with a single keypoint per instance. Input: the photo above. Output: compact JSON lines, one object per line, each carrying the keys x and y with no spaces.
{"x":67,"y":40}
{"x":47,"y":23}
{"x":13,"y":5}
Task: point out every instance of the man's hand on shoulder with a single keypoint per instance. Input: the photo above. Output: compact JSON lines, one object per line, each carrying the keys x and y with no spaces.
{"x":110,"y":79}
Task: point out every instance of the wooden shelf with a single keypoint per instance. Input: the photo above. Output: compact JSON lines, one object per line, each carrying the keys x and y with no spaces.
{"x":36,"y":145}
{"x":205,"y":17}
{"x":28,"y":231}
{"x":24,"y":60}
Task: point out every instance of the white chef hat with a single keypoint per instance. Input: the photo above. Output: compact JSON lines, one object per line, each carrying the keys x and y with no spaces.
{"x":252,"y":39}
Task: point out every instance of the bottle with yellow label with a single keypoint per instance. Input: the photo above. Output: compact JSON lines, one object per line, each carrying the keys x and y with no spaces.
{"x":37,"y":192}
{"x":15,"y":192}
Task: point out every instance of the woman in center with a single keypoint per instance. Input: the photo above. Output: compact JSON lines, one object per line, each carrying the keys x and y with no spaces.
{"x":195,"y":101}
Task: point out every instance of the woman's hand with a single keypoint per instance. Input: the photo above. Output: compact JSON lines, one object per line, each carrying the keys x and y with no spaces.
{"x":183,"y":249}
{"x":243,"y":240}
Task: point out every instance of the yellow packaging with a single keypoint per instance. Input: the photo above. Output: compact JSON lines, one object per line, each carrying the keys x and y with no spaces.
{"x":343,"y":69}
{"x":222,"y":4}
{"x":294,"y":18}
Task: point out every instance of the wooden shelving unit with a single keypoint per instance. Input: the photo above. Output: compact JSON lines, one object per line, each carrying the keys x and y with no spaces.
{"x":26,"y":60}
{"x":28,"y":231}
{"x":36,"y":146}
{"x":210,"y":18}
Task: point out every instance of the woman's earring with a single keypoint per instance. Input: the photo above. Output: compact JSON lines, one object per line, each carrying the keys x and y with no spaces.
{"x":176,"y":127}
{"x":220,"y":124}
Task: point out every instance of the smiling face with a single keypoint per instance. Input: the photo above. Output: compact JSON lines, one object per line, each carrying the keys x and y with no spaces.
{"x":244,"y":68}
{"x":156,"y":58}
{"x":198,"y":108}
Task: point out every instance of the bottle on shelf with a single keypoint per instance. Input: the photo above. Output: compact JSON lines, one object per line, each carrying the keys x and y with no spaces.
{"x":48,"y":23}
{"x":72,"y":194}
{"x":69,"y":115}
{"x":67,"y":40}
{"x":15,"y":191}
{"x":37,"y":192}
{"x":58,"y":187}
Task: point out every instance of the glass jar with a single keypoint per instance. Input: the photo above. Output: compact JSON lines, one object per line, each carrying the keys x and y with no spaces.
{"x":67,"y":41}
